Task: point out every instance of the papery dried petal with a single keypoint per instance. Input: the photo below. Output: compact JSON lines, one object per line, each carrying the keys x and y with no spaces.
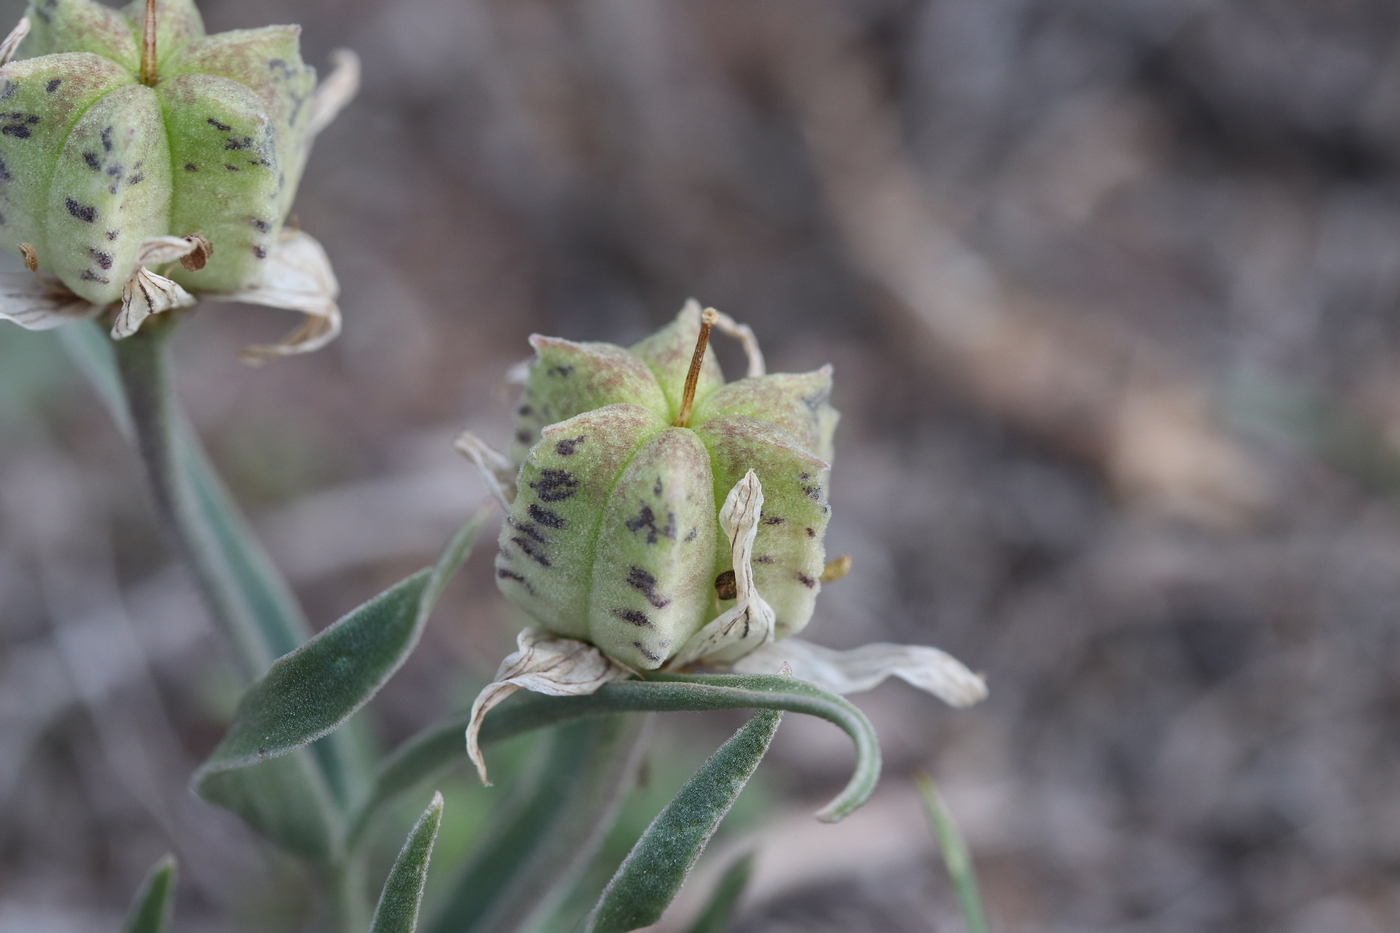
{"x":297,"y":276}
{"x":745,"y":335}
{"x":542,"y":663}
{"x":496,"y":470}
{"x":750,"y":623}
{"x":146,"y":293}
{"x":788,"y":553}
{"x":36,"y":304}
{"x":332,"y":94}
{"x":863,"y":668}
{"x":162,"y":250}
{"x":12,"y":41}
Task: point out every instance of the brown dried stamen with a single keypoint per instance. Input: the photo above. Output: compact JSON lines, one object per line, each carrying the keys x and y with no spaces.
{"x":148,"y":47}
{"x":196,"y":258}
{"x":707,"y":320}
{"x":31,"y":258}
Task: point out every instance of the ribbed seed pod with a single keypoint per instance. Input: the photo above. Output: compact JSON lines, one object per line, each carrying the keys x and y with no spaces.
{"x":93,"y":161}
{"x":614,"y":537}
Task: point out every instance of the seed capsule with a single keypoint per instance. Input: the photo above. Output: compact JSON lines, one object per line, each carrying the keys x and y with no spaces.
{"x":614,"y":535}
{"x":94,"y":161}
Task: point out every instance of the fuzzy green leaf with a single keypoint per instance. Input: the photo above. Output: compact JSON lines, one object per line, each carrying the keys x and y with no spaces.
{"x":312,"y":690}
{"x":548,"y":830}
{"x":653,"y":872}
{"x":725,"y":897}
{"x":403,"y":891}
{"x":285,"y":799}
{"x":442,"y":745}
{"x":150,"y":908}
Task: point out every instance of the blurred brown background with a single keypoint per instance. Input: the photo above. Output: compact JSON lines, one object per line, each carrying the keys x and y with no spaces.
{"x":1110,"y":290}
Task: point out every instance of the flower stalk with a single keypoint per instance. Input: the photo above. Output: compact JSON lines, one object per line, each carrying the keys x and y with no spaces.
{"x":248,"y":600}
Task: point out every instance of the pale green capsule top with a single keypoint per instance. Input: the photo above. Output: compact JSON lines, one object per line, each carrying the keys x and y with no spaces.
{"x":92,"y":162}
{"x":614,"y":536}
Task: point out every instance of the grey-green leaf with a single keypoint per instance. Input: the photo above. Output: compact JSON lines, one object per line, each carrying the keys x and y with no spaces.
{"x":548,"y":831}
{"x":653,"y":872}
{"x":284,"y":799}
{"x":441,"y":745}
{"x":309,"y":692}
{"x":150,"y":908}
{"x":724,"y":900}
{"x":403,"y":891}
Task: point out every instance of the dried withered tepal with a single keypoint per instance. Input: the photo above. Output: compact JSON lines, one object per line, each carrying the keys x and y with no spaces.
{"x":144,"y":162}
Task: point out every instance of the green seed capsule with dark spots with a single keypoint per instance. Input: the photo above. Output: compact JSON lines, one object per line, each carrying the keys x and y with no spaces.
{"x":93,"y":161}
{"x":613,"y":537}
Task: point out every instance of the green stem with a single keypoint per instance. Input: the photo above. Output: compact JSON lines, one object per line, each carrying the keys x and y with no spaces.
{"x":259,"y":618}
{"x":247,"y":598}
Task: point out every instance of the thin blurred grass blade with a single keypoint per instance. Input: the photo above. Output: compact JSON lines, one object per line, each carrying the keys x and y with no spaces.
{"x":653,"y":872}
{"x":724,"y":900}
{"x":955,"y":855}
{"x":403,"y":890}
{"x":151,"y":907}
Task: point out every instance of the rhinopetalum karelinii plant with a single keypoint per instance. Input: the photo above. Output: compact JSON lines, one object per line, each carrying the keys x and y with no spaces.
{"x":665,"y":528}
{"x":144,"y":162}
{"x":663,"y":519}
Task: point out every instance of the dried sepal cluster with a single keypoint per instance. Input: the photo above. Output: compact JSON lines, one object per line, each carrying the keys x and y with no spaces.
{"x":117,"y":141}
